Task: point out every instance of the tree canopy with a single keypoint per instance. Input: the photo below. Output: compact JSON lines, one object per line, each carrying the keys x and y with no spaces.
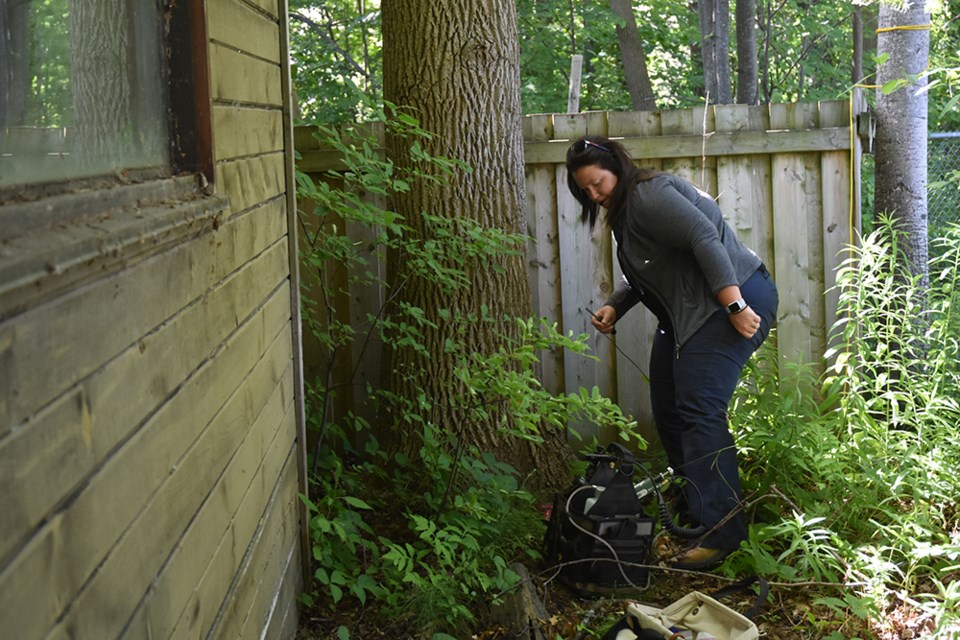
{"x":804,"y":50}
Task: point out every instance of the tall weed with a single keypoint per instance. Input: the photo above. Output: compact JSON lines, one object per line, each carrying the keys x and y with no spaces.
{"x":860,"y":485}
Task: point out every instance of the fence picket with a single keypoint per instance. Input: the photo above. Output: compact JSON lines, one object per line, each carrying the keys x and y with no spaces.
{"x":543,"y":251}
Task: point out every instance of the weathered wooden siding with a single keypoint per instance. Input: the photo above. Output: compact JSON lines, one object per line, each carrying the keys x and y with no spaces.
{"x":150,"y":415}
{"x":782,"y":176}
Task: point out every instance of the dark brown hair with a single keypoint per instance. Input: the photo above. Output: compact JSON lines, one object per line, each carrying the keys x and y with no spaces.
{"x":612,"y":156}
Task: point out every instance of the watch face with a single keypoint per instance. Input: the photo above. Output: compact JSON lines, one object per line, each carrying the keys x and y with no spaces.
{"x":736,"y":306}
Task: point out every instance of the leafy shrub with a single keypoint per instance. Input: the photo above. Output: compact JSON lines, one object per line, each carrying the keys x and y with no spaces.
{"x":859,"y":485}
{"x":430,"y":534}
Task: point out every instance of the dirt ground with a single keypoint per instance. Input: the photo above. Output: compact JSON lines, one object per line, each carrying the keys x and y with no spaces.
{"x":788,"y":614}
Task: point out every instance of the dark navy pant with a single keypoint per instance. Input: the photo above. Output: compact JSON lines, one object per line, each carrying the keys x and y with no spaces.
{"x":690,"y":391}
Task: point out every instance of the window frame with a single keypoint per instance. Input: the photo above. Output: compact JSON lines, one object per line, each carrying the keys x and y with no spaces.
{"x":56,"y":235}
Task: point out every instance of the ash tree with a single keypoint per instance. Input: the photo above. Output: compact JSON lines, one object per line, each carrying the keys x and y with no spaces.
{"x":903,"y":46}
{"x":455,"y":67}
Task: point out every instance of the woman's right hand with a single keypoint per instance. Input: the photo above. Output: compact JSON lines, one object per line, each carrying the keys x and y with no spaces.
{"x":604,"y":319}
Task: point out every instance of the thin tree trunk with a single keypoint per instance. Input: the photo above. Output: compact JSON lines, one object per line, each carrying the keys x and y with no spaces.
{"x":634,"y":58}
{"x":747,"y":52}
{"x":722,"y":40}
{"x":714,"y":39}
{"x":857,"y":44}
{"x":14,"y":68}
{"x":708,"y":49}
{"x":901,"y":141}
{"x":767,"y":25}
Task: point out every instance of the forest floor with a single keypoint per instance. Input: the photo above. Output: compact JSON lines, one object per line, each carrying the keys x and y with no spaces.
{"x":788,"y":614}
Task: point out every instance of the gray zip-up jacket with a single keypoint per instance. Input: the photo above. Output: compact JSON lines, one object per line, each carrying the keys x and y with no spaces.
{"x":676,"y":252}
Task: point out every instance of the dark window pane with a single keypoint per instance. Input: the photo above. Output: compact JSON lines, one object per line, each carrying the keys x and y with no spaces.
{"x":81,"y":89}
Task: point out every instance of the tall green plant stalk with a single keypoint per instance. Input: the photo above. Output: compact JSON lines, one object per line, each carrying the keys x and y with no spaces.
{"x":866,"y":479}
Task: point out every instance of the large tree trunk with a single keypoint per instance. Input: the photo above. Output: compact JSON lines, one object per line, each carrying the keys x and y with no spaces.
{"x":634,"y":58}
{"x":714,"y":44}
{"x":901,"y":142}
{"x":747,"y":80}
{"x":456,"y":66}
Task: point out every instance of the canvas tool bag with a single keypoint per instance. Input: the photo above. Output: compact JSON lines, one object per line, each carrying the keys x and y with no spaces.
{"x":695,"y":616}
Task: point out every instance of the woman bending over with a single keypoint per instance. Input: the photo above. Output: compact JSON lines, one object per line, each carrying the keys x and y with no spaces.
{"x":715,"y":303}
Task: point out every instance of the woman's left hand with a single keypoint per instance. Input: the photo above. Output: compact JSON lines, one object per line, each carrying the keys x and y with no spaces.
{"x":747,"y":322}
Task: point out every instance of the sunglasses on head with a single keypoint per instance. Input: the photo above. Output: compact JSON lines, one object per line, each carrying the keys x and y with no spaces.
{"x":581,"y":145}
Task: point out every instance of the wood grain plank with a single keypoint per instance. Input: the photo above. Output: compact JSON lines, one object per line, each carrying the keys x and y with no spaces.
{"x":794,"y":259}
{"x":543,"y":250}
{"x":364,"y":356}
{"x":71,"y":330}
{"x":235,"y":77}
{"x":64,"y":553}
{"x":172,"y":508}
{"x":256,"y":581}
{"x":284,"y":620}
{"x":212,"y":548}
{"x":44,"y":462}
{"x":252,"y":182}
{"x":837,"y":231}
{"x":237,"y":25}
{"x":264,"y":606}
{"x":743,"y":182}
{"x":696,"y":165}
{"x":246,"y":131}
{"x":208,"y":595}
{"x":270,"y":7}
{"x":669,"y":146}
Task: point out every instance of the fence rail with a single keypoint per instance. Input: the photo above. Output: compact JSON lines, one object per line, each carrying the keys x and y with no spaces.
{"x":785,"y":176}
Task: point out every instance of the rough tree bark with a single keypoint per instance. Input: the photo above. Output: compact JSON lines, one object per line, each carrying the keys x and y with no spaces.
{"x":634,"y":58}
{"x":715,"y":47}
{"x":456,"y":65}
{"x":747,"y":71}
{"x":901,"y":140}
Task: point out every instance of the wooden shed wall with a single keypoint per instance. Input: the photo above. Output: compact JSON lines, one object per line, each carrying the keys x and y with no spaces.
{"x":786,"y":177}
{"x":150,"y":415}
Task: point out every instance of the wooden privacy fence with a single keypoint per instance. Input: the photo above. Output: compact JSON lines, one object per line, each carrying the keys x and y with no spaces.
{"x":785,"y":176}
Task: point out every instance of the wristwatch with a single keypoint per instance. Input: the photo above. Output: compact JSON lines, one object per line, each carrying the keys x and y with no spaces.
{"x":736,"y":306}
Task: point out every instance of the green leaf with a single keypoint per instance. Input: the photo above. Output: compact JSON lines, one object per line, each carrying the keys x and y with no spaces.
{"x":356,"y":502}
{"x":892,"y":85}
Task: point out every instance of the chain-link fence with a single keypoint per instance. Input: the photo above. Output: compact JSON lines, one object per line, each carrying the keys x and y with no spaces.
{"x":943,"y":174}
